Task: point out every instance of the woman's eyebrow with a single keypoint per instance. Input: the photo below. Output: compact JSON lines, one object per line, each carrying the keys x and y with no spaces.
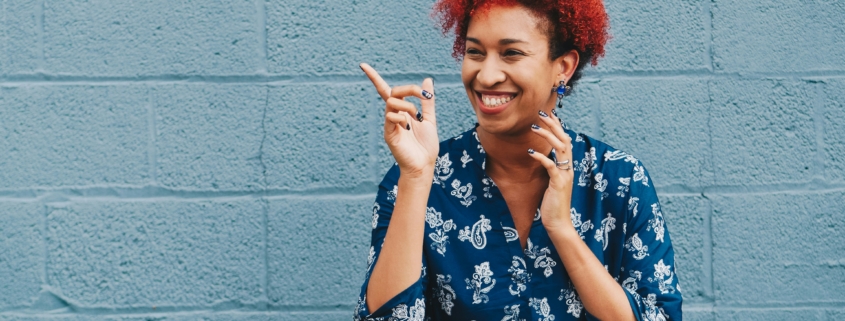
{"x":502,"y":42}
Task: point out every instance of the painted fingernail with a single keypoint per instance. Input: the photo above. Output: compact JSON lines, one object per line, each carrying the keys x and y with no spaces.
{"x":419,"y":116}
{"x":530,"y":151}
{"x":542,"y":113}
{"x":427,"y":95}
{"x":408,"y":126}
{"x":534,"y":126}
{"x":554,"y":112}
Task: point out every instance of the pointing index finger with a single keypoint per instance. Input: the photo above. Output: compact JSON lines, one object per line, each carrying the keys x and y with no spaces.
{"x":382,"y":87}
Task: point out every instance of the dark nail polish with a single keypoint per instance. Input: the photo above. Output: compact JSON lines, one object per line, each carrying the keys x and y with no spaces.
{"x":534,"y":126}
{"x":554,"y":112}
{"x":427,"y":95}
{"x":408,"y":126}
{"x":543,"y":114}
{"x":419,"y":116}
{"x":530,"y":151}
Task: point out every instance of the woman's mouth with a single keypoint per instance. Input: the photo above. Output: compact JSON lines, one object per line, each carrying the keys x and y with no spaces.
{"x":492,"y":102}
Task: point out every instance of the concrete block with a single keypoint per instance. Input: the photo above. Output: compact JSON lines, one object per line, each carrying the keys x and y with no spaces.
{"x":20,"y":49}
{"x":762,"y":132}
{"x":663,"y":123}
{"x":784,"y":248}
{"x":685,"y":220}
{"x":156,"y":37}
{"x":778,"y":35}
{"x":162,"y":253}
{"x":698,"y":315}
{"x":771,"y":314}
{"x":834,"y":132}
{"x":209,"y":136}
{"x":656,"y":35}
{"x":580,"y":108}
{"x":21,"y":253}
{"x":190,"y":316}
{"x":317,"y":250}
{"x":73,"y":136}
{"x":334,"y":37}
{"x":320,"y":136}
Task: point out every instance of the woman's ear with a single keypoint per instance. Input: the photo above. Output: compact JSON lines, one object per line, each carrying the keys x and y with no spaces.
{"x":566,"y":65}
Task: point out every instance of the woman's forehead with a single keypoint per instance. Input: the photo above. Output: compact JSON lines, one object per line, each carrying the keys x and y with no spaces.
{"x":498,"y":23}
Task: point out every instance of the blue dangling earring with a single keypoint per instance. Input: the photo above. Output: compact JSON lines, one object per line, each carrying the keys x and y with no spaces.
{"x":561,"y":91}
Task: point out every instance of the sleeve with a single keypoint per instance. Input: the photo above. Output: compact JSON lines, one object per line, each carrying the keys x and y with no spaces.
{"x":410,"y":303}
{"x":648,"y":259}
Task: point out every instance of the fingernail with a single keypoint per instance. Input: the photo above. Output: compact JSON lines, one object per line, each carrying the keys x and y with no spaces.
{"x":530,"y":151}
{"x":534,"y":126}
{"x":542,"y":113}
{"x":419,"y":116}
{"x":427,"y":95}
{"x":554,"y":112}
{"x":408,"y":126}
{"x":362,"y":67}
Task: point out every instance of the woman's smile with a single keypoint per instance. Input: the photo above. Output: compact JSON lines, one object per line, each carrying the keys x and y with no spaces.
{"x":493,"y":102}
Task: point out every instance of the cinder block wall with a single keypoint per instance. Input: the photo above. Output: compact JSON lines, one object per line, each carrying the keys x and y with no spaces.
{"x":216,"y":160}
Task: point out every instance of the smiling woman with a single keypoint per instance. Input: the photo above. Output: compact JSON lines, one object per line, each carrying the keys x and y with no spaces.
{"x":520,"y":229}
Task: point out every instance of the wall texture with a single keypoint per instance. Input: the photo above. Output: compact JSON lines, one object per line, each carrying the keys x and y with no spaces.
{"x":216,"y":160}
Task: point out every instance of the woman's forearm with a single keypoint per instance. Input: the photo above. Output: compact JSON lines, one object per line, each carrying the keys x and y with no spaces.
{"x":601,"y":295}
{"x":400,"y":262}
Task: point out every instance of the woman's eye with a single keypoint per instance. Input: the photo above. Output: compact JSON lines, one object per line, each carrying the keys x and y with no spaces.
{"x":513,"y":53}
{"x":472,"y":51}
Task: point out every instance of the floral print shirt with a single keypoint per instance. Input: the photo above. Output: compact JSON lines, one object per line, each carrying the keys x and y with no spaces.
{"x":474,"y":267}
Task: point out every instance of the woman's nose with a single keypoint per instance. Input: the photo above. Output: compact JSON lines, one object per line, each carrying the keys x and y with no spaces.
{"x":490,"y":74}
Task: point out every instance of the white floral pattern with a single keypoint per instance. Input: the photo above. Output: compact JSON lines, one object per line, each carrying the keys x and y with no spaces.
{"x":541,"y":306}
{"x":511,"y":313}
{"x":465,"y":159}
{"x":442,"y":169}
{"x":477,"y":236}
{"x":445,"y":293}
{"x":541,"y":258}
{"x":603,"y":233}
{"x":636,"y":247}
{"x":479,"y":283}
{"x":573,"y":302}
{"x":519,"y":276}
{"x":581,"y":227}
{"x":656,"y":223}
{"x":601,"y":184}
{"x":663,"y":277}
{"x":463,"y":192}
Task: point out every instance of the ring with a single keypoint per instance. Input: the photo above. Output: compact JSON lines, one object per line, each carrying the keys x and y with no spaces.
{"x":564,"y":162}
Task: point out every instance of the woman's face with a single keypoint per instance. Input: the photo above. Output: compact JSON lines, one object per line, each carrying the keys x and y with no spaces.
{"x":506,"y":69}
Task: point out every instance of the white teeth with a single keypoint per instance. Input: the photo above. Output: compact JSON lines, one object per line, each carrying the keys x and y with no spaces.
{"x":493,"y":102}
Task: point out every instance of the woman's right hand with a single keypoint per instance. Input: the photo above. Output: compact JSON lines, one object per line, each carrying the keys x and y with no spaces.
{"x":414,"y":143}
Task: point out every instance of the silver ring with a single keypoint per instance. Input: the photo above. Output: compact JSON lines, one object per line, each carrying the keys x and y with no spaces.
{"x":564,"y":162}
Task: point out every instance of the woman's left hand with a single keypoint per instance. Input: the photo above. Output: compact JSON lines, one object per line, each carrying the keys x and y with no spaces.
{"x":557,"y":200}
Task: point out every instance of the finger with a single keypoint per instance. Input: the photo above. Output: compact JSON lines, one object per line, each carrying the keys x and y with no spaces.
{"x":560,"y":147}
{"x":395,"y":121}
{"x":555,"y":179}
{"x":397,"y":104}
{"x":408,"y":91}
{"x":382,"y":87}
{"x":553,"y":124}
{"x":428,"y":104}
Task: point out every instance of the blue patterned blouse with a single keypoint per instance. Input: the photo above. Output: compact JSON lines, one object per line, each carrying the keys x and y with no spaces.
{"x":475,"y":269}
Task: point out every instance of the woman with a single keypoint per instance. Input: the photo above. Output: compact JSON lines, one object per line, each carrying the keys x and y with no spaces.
{"x":457,"y":230}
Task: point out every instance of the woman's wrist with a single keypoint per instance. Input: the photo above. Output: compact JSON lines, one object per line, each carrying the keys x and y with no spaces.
{"x":425,"y":174}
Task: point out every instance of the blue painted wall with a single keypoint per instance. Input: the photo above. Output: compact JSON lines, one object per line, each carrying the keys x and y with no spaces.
{"x":217,"y":160}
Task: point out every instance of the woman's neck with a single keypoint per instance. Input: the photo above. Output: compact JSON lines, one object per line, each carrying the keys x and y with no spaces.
{"x":507,"y":156}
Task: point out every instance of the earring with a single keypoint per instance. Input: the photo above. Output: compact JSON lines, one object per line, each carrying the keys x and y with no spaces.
{"x":561,"y":91}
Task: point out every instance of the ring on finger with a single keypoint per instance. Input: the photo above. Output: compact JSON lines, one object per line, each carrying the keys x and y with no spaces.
{"x":564,"y":165}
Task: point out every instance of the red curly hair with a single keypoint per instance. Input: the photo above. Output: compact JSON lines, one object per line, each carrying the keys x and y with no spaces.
{"x":572,"y":24}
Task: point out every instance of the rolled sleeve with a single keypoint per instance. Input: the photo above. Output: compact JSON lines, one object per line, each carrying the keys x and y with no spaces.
{"x":648,"y":261}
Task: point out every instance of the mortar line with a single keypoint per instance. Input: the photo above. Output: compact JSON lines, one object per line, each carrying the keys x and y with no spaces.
{"x":42,"y":60}
{"x":151,"y":148}
{"x":453,"y":79}
{"x":264,"y":202}
{"x":262,"y":33}
{"x":710,"y":288}
{"x":598,"y":100}
{"x":46,"y":227}
{"x":708,"y":29}
{"x":818,"y":120}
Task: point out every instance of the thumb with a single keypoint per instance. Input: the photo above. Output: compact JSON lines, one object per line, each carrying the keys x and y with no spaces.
{"x":428,"y":104}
